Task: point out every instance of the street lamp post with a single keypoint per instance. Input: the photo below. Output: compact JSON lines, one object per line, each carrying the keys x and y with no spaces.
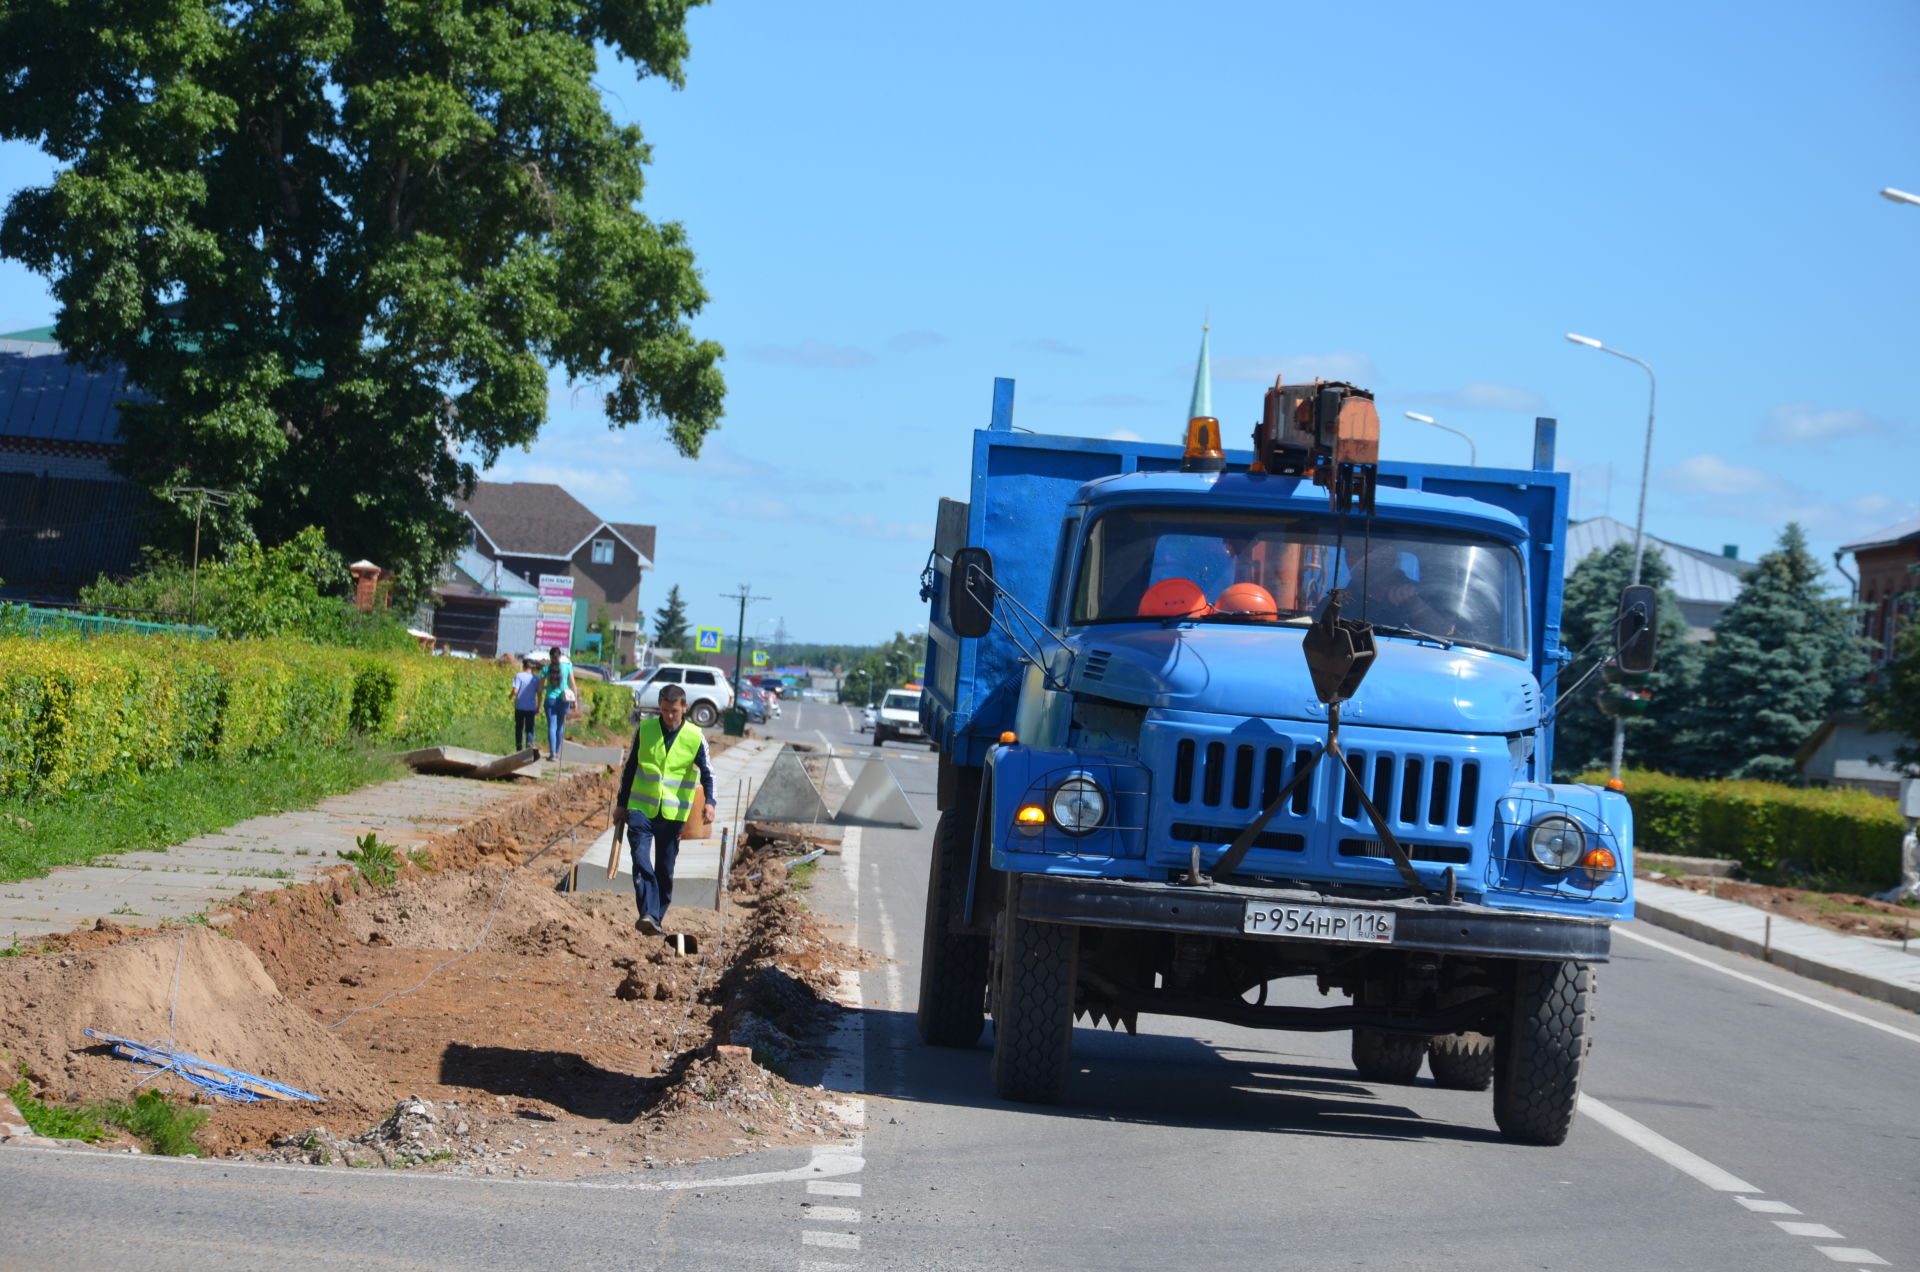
{"x":1473,"y":452}
{"x":1899,"y":196}
{"x":1640,"y":517}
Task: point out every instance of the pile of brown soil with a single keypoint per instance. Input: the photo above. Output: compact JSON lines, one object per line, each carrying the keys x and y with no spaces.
{"x":1837,"y":911}
{"x":470,"y":1018}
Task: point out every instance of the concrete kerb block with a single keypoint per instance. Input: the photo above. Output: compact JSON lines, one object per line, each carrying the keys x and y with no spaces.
{"x":877,"y":799}
{"x":787,"y":793}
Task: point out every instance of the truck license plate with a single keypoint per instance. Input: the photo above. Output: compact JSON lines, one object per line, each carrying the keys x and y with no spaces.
{"x":1318,"y":922}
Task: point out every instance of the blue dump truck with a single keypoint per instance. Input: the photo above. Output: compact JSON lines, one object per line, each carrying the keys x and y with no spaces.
{"x":1210,"y":721}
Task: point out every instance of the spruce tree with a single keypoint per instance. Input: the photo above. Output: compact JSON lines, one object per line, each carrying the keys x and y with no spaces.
{"x":1583,"y":734}
{"x":1784,"y":656}
{"x":670,"y":621}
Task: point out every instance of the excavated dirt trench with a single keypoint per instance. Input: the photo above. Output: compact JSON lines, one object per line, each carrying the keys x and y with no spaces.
{"x":565,"y":1043}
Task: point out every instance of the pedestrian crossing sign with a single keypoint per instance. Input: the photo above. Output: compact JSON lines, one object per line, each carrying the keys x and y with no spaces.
{"x":706,"y":639}
{"x":759,"y":657}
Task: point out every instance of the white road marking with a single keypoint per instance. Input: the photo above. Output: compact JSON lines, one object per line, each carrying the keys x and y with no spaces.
{"x":815,"y":1265}
{"x":1854,"y":1016}
{"x":847,"y":1214}
{"x":1758,"y":1204}
{"x":1852,"y":1254}
{"x":1666,"y":1150}
{"x":831,"y":1188}
{"x":1794,"y":1228}
{"x":832,"y":1240}
{"x":845,"y":1072}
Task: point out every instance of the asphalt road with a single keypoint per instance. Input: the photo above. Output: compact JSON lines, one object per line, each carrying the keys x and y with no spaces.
{"x":1737,"y":1118}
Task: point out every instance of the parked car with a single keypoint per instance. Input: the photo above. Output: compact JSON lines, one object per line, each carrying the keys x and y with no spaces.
{"x":756,"y":703}
{"x":868,"y":715}
{"x":898,"y":717}
{"x":708,"y":693}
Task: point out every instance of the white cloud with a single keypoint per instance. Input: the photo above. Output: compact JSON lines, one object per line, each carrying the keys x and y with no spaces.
{"x":598,"y":488}
{"x":1125,"y":435}
{"x":869,"y":527}
{"x":1713,"y":475}
{"x":914,"y":341}
{"x":1805,"y":422}
{"x":1483,"y":395}
{"x":1058,"y":348}
{"x":1118,"y":401}
{"x":813,"y":353}
{"x":1355,"y":368}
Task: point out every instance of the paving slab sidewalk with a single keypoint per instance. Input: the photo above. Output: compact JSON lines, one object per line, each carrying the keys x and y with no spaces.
{"x":1874,"y":969}
{"x":142,"y":889}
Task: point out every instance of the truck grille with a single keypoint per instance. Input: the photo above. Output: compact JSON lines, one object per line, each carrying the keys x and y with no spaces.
{"x":1410,"y":790}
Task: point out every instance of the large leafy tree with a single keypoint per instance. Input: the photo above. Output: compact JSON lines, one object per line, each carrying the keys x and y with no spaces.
{"x":340,"y":243}
{"x":1583,"y":735}
{"x":1784,"y":656}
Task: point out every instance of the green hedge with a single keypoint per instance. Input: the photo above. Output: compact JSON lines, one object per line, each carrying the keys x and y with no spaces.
{"x":76,"y":711}
{"x":1771,"y":830}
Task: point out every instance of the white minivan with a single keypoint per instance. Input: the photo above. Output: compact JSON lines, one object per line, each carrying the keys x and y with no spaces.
{"x":708,"y":693}
{"x":899,"y":717}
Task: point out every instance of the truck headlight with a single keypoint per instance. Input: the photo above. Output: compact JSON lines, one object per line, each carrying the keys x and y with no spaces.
{"x":1078,"y":804}
{"x":1557,"y":842}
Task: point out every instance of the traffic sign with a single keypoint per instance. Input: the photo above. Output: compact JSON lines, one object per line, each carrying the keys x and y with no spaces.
{"x":759,"y":657}
{"x":919,"y":671}
{"x":706,"y":639}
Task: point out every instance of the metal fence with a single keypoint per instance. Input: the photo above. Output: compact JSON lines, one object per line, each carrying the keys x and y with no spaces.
{"x":37,"y":621}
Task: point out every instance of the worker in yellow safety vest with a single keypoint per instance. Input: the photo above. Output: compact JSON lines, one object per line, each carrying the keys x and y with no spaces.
{"x":666,"y":771}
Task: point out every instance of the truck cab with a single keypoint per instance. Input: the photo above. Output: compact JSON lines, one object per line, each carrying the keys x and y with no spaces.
{"x":1153,"y":802}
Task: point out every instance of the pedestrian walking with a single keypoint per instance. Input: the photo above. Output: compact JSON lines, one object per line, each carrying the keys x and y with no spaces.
{"x":657,"y":790}
{"x":558,"y":700}
{"x":526,"y":705}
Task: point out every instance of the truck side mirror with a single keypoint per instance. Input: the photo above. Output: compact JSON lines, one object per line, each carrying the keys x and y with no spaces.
{"x":1633,"y":632}
{"x":970,"y":590}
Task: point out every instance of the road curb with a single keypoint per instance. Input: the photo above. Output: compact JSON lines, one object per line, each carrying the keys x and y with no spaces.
{"x":1867,"y":986}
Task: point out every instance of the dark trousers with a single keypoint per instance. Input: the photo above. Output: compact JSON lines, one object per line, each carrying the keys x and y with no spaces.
{"x":655,"y":844}
{"x":524,"y":730}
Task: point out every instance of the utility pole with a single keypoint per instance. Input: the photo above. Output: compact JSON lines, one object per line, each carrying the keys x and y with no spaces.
{"x":744,"y":595}
{"x":201,"y":496}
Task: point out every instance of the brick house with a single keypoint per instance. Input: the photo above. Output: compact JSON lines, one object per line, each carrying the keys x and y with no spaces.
{"x":66,"y":517}
{"x":1889,"y":566}
{"x":532,"y":528}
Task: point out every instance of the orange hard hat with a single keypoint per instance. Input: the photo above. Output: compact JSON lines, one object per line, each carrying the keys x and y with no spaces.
{"x":1173,"y":598}
{"x":1249,"y":600}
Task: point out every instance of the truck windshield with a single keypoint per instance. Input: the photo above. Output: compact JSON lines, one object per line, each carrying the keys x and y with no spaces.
{"x":903,"y":702}
{"x":1218,"y":567}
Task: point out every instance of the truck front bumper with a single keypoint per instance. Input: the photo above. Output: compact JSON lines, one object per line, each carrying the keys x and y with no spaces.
{"x":1220,"y":910}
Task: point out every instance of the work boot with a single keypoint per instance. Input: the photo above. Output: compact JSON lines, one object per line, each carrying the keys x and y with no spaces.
{"x":646,"y":926}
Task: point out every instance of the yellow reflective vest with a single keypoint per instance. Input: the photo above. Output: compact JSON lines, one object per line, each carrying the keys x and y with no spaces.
{"x":666,"y":778}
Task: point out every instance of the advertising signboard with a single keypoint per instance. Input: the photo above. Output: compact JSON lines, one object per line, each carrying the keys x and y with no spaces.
{"x":554,"y":625}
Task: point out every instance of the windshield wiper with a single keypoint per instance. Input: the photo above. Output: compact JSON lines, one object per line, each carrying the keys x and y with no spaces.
{"x":1387,"y":629}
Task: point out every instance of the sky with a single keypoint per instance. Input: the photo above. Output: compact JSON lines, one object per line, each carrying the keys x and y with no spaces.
{"x":893,"y":204}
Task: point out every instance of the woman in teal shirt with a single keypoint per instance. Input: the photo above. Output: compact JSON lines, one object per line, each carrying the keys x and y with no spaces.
{"x":559,"y":682}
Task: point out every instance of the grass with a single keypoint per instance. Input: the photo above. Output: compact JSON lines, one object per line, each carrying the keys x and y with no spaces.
{"x":164,"y":1127}
{"x":375,"y":859}
{"x":159,"y":809}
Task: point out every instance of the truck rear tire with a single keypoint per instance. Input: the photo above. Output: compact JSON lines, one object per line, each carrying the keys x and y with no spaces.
{"x":953,"y":965}
{"x":1536,"y":1072}
{"x":1388,"y":1057}
{"x":1032,"y":1005}
{"x":1462,"y":1061}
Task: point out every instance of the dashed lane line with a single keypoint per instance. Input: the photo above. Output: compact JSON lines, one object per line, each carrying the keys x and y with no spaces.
{"x":1782,"y":990}
{"x":1691,"y":1163}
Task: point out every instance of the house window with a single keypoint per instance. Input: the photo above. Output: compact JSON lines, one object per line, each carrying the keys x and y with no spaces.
{"x":603,"y":551}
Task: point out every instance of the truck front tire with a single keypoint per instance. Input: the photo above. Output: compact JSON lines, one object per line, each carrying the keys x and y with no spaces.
{"x":953,"y":965}
{"x":1032,"y":1005}
{"x":1388,"y":1057}
{"x":1462,"y":1061}
{"x":880,"y":734}
{"x":1536,"y":1073}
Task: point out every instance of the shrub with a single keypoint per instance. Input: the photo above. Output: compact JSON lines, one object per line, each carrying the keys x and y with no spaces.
{"x":1818,"y":835}
{"x":74,"y":712}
